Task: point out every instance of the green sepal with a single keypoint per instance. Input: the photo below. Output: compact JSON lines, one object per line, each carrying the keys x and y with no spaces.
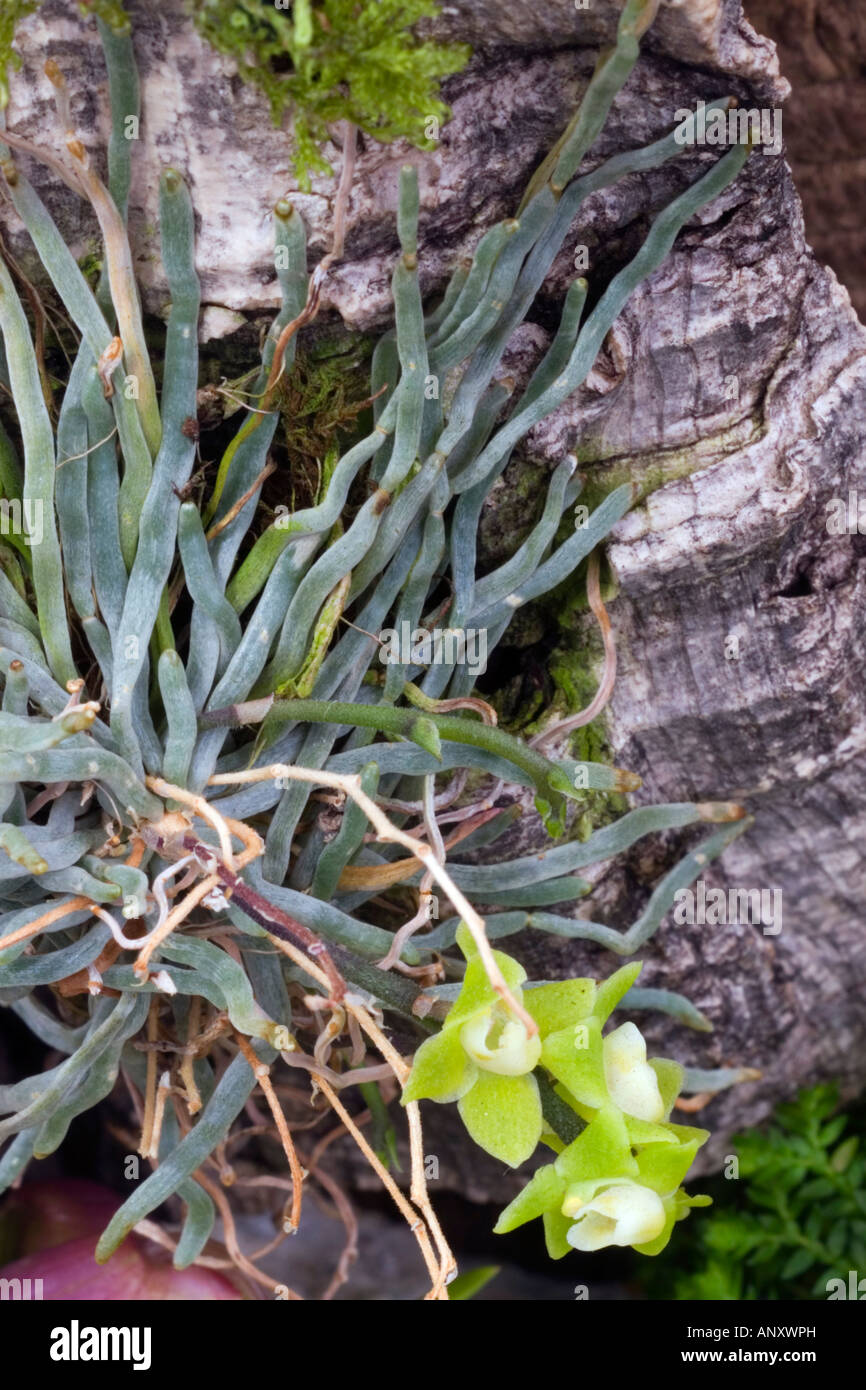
{"x":466,"y":941}
{"x":556,"y":1229}
{"x":645,"y":1132}
{"x":663,"y":1166}
{"x":503,"y":1116}
{"x":579,"y":1067}
{"x":601,"y":1151}
{"x":472,"y":1282}
{"x":670,"y":1076}
{"x":586,"y":1112}
{"x":557,"y":1005}
{"x":611,"y":990}
{"x":685,"y":1203}
{"x":685,"y":1133}
{"x":478,"y":993}
{"x":442,"y":1070}
{"x":552,"y":1140}
{"x":655,"y":1247}
{"x":544,"y":1192}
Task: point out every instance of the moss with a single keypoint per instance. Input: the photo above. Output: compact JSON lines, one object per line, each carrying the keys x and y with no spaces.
{"x":11,"y":13}
{"x":355,"y":60}
{"x":90,"y":264}
{"x":575,"y":663}
{"x":649,"y":472}
{"x":574,"y":667}
{"x":323,"y":402}
{"x":111,"y":12}
{"x":510,"y":512}
{"x":574,"y":670}
{"x":545,"y":682}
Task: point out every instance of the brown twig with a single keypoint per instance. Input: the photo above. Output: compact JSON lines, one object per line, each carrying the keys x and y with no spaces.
{"x":238,"y":506}
{"x":262,"y":1073}
{"x":608,"y":676}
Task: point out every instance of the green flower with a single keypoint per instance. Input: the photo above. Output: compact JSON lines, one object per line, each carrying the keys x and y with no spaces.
{"x":483,"y":1059}
{"x":595,"y":1071}
{"x":607,"y":1189}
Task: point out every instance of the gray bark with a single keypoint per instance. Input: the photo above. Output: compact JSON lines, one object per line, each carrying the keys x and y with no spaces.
{"x":733,"y":388}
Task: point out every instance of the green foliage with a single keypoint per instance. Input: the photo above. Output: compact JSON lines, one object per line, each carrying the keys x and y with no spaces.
{"x":794,"y":1220}
{"x":147,"y":636}
{"x":354,"y":60}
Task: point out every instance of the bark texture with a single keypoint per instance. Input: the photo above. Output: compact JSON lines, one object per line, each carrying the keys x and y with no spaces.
{"x":733,"y":389}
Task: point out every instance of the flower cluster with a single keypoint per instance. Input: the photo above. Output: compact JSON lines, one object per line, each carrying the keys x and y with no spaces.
{"x":618,"y":1182}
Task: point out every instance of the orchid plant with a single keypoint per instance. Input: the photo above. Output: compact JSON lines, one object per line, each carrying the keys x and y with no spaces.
{"x":616,"y":1183}
{"x":175,"y":908}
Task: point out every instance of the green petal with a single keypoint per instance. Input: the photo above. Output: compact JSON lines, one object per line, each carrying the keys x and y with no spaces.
{"x":478,"y":993}
{"x":574,"y":1056}
{"x":643,"y":1132}
{"x":670,"y":1078}
{"x":556,"y":1228}
{"x":466,"y":941}
{"x":556,"y":1006}
{"x":441,"y":1071}
{"x":543,"y":1192}
{"x":611,"y":990}
{"x":503,"y":1115}
{"x":663,"y":1166}
{"x":683,"y":1133}
{"x":601,"y":1151}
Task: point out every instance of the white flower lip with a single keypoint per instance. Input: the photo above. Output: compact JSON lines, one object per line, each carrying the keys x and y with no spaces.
{"x":631,"y":1082}
{"x":513,"y":1053}
{"x":622,"y":1214}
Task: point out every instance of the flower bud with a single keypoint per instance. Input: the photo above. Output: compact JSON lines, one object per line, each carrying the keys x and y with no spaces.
{"x":631,"y":1082}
